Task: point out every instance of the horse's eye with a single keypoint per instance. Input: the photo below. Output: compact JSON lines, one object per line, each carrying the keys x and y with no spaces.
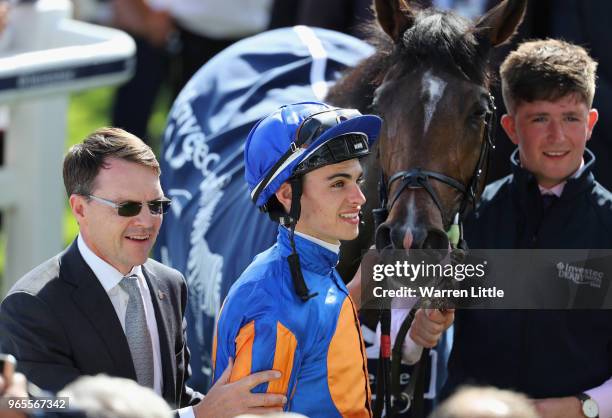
{"x":479,"y":113}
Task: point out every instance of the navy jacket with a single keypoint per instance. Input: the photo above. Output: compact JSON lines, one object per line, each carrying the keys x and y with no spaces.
{"x":541,"y":353}
{"x":60,"y":324}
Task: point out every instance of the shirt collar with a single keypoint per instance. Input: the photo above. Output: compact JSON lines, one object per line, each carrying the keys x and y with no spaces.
{"x":331,"y":247}
{"x":108,"y":276}
{"x":558,"y":189}
{"x":313,"y":257}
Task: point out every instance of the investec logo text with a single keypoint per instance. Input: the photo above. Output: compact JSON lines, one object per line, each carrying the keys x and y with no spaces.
{"x":580,"y":275}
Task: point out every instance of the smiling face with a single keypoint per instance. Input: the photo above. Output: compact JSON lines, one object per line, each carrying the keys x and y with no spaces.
{"x":123,"y":242}
{"x":331,"y":201}
{"x":551,"y":136}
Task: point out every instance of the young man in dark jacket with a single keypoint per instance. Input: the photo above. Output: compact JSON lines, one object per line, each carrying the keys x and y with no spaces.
{"x":551,"y":201}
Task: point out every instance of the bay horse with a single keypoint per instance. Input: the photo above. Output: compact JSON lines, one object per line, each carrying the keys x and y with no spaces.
{"x":427,"y":77}
{"x":429,"y":81}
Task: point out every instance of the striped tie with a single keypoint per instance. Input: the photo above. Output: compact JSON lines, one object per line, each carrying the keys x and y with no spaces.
{"x":137,"y":332}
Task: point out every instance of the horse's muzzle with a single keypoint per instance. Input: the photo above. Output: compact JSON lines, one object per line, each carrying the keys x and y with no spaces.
{"x":399,"y":237}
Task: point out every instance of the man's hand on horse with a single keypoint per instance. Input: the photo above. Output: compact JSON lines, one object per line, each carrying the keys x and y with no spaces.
{"x":227,"y":399}
{"x":429,"y":324}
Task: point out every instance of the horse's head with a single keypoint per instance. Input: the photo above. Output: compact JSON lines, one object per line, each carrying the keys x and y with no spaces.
{"x":434,"y":99}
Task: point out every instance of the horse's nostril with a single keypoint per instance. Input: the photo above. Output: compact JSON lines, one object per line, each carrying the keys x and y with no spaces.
{"x":435,"y":240}
{"x":394,"y":237}
{"x":397,"y":237}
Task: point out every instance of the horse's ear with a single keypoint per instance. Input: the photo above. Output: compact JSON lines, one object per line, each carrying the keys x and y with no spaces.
{"x":394,"y":16}
{"x":500,"y":23}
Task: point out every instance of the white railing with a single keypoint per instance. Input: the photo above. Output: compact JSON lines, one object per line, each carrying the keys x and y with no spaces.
{"x":47,"y":56}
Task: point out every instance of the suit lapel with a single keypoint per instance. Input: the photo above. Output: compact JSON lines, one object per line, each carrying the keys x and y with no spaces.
{"x":94,"y":303}
{"x":163,"y":313}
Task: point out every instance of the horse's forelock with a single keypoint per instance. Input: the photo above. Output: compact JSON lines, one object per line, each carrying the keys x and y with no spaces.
{"x":445,"y":40}
{"x":437,"y":39}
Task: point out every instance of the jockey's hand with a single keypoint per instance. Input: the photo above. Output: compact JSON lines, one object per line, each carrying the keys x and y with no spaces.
{"x":227,"y":399}
{"x":429,"y":324}
{"x":567,"y":407}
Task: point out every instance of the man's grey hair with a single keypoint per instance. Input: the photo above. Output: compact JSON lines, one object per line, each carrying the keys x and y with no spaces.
{"x":103,"y":396}
{"x":485,"y":402}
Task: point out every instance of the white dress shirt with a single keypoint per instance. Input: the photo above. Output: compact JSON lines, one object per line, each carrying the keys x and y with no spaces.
{"x":109,"y":278}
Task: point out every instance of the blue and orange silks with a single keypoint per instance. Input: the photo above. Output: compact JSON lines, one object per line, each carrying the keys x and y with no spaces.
{"x":317,"y":345}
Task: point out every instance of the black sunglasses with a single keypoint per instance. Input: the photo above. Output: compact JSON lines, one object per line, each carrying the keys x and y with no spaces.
{"x":129,"y":208}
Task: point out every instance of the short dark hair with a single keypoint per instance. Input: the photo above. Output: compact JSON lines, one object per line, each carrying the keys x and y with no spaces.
{"x":547,"y":70}
{"x":84,"y":161}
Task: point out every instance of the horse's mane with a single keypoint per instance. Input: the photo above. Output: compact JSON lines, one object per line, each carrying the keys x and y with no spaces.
{"x":437,"y":38}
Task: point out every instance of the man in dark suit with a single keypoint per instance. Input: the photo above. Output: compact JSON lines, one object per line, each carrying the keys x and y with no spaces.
{"x":102,"y":306}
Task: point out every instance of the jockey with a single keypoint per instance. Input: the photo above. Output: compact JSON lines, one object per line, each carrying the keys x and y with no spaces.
{"x":290,"y":310}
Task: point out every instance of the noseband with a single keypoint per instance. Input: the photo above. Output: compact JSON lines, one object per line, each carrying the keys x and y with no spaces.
{"x":418,"y":178}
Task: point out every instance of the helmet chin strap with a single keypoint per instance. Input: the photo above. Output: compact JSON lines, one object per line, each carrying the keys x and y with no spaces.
{"x":290,"y":221}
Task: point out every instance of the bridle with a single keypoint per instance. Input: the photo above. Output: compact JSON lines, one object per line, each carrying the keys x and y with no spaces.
{"x":418,"y":178}
{"x":388,"y":375}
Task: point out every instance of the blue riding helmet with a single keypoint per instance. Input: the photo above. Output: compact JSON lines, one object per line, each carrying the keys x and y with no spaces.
{"x":301,"y":137}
